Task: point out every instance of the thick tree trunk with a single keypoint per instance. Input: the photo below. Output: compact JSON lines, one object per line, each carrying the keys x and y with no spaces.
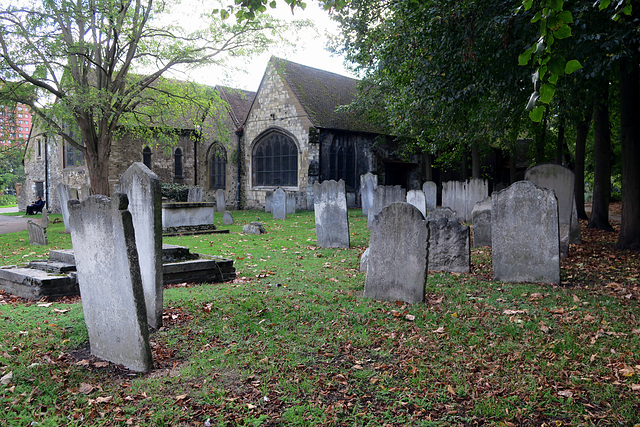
{"x":602,"y":164}
{"x":97,"y":158}
{"x":630,"y":135}
{"x":475,"y":160}
{"x":582,"y":131}
{"x":541,"y":141}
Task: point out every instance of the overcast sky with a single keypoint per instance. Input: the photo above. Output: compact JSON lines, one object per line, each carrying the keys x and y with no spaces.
{"x":311,"y":51}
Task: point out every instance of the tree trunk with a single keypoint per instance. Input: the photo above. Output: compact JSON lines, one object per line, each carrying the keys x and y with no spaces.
{"x":541,"y":141}
{"x":602,"y":163}
{"x":582,"y":131}
{"x":630,"y":135}
{"x":475,"y":160}
{"x":97,"y":159}
{"x":560,"y":144}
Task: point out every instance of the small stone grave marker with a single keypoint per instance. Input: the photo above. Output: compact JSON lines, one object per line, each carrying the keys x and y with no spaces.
{"x":330,"y":209}
{"x":279,"y":204}
{"x":398,"y":255}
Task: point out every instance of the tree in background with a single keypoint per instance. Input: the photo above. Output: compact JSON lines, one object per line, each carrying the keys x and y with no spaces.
{"x":88,"y":68}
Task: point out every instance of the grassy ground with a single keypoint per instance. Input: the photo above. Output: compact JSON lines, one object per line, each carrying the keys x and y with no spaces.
{"x":292,"y":341}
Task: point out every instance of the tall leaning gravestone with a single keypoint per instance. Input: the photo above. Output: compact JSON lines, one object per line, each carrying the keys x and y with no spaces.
{"x":398,"y":255}
{"x":561,"y":180}
{"x":524,"y":234}
{"x":64,"y":195}
{"x":142,"y":188}
{"x":368,"y":185}
{"x":330,"y":208}
{"x":110,"y":284}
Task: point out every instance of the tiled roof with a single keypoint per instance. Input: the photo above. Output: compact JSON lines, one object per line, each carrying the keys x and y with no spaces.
{"x":320,"y":93}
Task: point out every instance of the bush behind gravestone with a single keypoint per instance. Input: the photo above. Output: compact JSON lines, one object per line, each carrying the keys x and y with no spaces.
{"x":176,"y":192}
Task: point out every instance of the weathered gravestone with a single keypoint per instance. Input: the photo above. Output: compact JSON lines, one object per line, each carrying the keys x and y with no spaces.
{"x":221,"y":203}
{"x":110,"y":284}
{"x":462,"y":196}
{"x":64,"y":195}
{"x":279,"y":204}
{"x":364,"y":261}
{"x":227,"y":218}
{"x":330,"y":208}
{"x":449,"y":246}
{"x":37,"y":233}
{"x":481,"y":220}
{"x":561,"y":180}
{"x":438,"y":213}
{"x":44,"y":221}
{"x":142,"y":188}
{"x":398,"y":255}
{"x":524,"y":234}
{"x":195,"y":195}
{"x":253,"y":228}
{"x":430,"y":191}
{"x":417,"y":199}
{"x":368,"y":185}
{"x":268,"y":201}
{"x":384,"y":195}
{"x":84,"y":192}
{"x":291,"y":203}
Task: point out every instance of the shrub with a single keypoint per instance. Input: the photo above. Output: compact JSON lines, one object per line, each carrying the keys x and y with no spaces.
{"x":176,"y":192}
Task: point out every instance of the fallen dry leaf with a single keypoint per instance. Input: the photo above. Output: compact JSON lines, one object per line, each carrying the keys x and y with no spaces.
{"x":85,"y":388}
{"x":565,"y":393}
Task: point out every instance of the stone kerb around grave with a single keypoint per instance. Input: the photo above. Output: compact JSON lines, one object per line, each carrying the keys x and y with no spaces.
{"x":398,"y":255}
{"x":110,"y":283}
{"x":331,"y":217}
{"x":524,"y":234}
{"x":142,"y":188}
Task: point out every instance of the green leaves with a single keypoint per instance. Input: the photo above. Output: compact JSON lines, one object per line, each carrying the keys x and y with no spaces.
{"x":572,"y":66}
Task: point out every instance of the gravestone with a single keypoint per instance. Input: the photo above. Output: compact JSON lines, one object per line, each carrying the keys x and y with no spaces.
{"x":431,"y":194}
{"x":227,"y":218}
{"x":142,"y":188}
{"x":417,"y":199}
{"x":384,"y":195}
{"x":44,"y":221}
{"x":268,"y":201}
{"x":449,"y":246}
{"x":195,"y":195}
{"x":253,"y":228}
{"x":398,"y":255}
{"x":438,"y":213}
{"x":221,"y":204}
{"x":64,"y":195}
{"x":462,"y":196}
{"x":351,"y":201}
{"x":330,"y":209}
{"x":524,"y":234}
{"x":481,"y":220}
{"x":291,"y":203}
{"x":561,"y":180}
{"x":84,"y":192}
{"x":279,"y":204}
{"x":37,"y":234}
{"x":364,"y":261}
{"x":368,"y":185}
{"x":108,"y":272}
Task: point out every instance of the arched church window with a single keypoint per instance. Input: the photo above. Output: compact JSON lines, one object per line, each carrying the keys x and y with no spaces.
{"x":342,"y":161}
{"x":146,"y":157}
{"x":177,"y":163}
{"x":275,"y":161}
{"x":218,"y":167}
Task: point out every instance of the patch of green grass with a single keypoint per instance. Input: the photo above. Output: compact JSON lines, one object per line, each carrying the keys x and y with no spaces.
{"x":292,"y":341}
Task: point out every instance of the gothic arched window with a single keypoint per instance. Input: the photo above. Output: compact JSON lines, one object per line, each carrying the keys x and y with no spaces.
{"x":342,"y":161}
{"x":177,"y":163}
{"x":218,"y":167}
{"x":275,"y":161}
{"x":146,"y":157}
